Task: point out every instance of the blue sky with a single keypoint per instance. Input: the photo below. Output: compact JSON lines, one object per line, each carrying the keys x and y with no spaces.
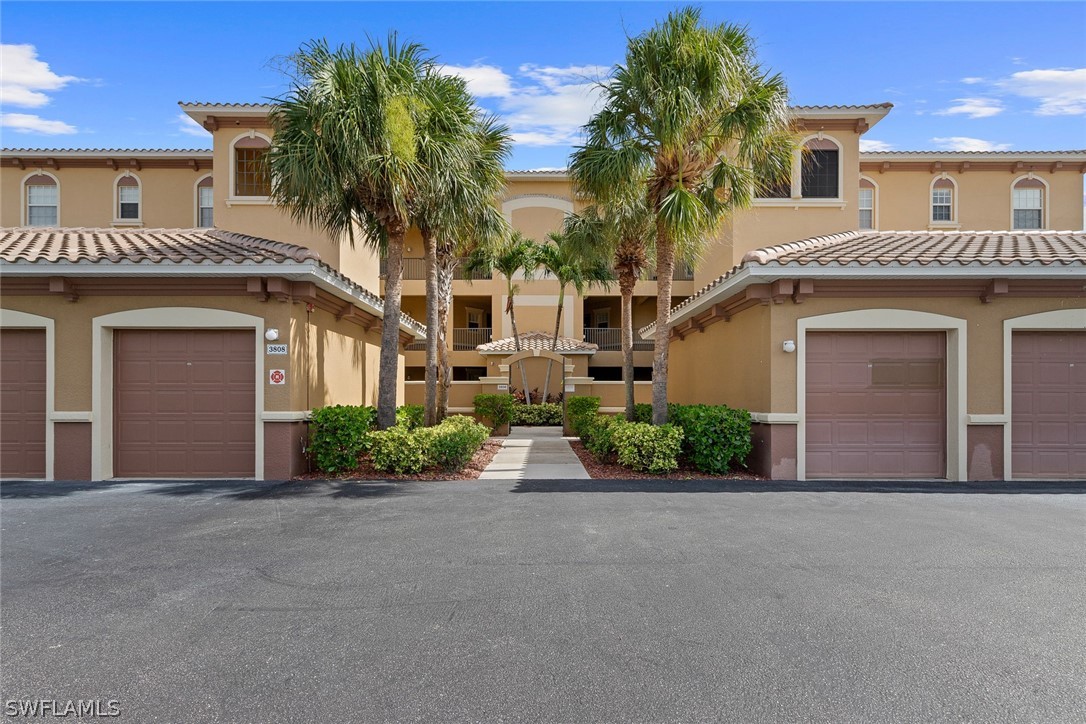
{"x":970,"y":76}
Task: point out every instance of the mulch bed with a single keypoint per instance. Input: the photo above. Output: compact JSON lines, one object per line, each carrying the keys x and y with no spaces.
{"x":366,"y":471}
{"x":614,"y":471}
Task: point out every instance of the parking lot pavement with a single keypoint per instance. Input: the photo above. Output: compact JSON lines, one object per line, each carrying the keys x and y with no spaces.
{"x":537,"y":600}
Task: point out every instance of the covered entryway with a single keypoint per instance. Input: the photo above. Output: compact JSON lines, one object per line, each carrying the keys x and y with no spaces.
{"x":1048,"y":405}
{"x":876,"y":405}
{"x":22,"y":403}
{"x":184,"y":403}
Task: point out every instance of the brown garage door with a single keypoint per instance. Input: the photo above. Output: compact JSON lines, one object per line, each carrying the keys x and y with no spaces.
{"x":184,"y":403}
{"x":876,"y":405}
{"x":22,"y":403}
{"x":1048,"y":405}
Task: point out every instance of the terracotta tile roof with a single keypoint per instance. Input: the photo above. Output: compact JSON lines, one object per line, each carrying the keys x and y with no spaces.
{"x":540,"y":341}
{"x":143,"y":246}
{"x":920,"y":253}
{"x":126,"y":151}
{"x":861,"y":107}
{"x":945,"y":154}
{"x":212,"y":104}
{"x":72,"y":249}
{"x":929,"y":248}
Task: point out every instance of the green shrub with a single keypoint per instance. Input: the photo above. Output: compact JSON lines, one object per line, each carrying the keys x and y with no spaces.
{"x":338,"y":435}
{"x":716,"y":437}
{"x":596,"y":434}
{"x":542,"y":413}
{"x":643,"y":412}
{"x":451,"y":444}
{"x":648,"y":448}
{"x":581,"y":409}
{"x":398,"y":450}
{"x":496,"y":408}
{"x":410,"y":416}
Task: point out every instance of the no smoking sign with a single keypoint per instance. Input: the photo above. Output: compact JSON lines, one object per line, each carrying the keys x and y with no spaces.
{"x":277,"y":377}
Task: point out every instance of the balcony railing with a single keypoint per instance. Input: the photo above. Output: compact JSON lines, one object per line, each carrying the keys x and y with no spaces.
{"x":683,"y":273}
{"x":465,"y":339}
{"x":609,"y":339}
{"x":416,"y":269}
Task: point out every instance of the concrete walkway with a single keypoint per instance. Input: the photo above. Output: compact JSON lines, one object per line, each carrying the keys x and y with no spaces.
{"x":535,"y":453}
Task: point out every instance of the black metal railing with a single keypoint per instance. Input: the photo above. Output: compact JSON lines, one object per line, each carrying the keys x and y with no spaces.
{"x":609,"y":339}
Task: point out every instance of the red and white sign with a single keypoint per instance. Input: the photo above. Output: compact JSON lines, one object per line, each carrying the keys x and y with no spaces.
{"x":277,"y":377}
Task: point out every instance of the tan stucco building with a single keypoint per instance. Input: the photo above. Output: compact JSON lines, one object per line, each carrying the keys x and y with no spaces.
{"x":835,"y":189}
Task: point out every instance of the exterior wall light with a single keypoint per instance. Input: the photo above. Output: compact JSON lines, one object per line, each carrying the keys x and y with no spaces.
{"x":789,"y":346}
{"x":271,"y":335}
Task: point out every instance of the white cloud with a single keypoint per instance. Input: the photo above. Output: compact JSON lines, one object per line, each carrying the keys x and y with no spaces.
{"x":24,"y":80}
{"x":484,"y":81}
{"x":27,"y":123}
{"x":972,"y":80}
{"x":189,"y":127}
{"x":964,"y":143}
{"x":870,"y":145}
{"x":973,"y":108}
{"x":1059,"y":91}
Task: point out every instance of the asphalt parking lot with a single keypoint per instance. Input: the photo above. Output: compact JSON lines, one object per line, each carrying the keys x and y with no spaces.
{"x":550,"y":601}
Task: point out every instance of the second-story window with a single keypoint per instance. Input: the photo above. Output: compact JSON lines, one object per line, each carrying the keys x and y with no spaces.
{"x":42,"y":201}
{"x":820,"y":169}
{"x":942,"y":201}
{"x":867,"y":205}
{"x":251,"y":176}
{"x":1028,"y":209}
{"x":205,"y":203}
{"x":128,"y":198}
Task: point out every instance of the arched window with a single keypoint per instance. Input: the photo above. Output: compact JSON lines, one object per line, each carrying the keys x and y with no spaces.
{"x":205,"y":202}
{"x":128,"y":205}
{"x":42,"y":200}
{"x":866,"y":204}
{"x":820,"y":177}
{"x":1028,"y":203}
{"x":943,"y":201}
{"x":251,"y":177}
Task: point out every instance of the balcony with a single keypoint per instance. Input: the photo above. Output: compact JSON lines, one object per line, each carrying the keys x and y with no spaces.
{"x":683,"y":273}
{"x":609,"y":339}
{"x":465,"y":339}
{"x":416,"y":269}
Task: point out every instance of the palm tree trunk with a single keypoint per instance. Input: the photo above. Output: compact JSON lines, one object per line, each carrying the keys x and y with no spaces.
{"x":554,"y":343}
{"x":388,"y":375}
{"x":445,"y":267}
{"x":516,"y":344}
{"x":432,"y":326}
{"x":626,"y":284}
{"x":665,"y":269}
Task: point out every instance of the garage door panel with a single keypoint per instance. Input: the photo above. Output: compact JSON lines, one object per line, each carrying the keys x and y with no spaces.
{"x":190,"y":411}
{"x":22,"y":403}
{"x":1048,"y":404}
{"x":882,"y":413}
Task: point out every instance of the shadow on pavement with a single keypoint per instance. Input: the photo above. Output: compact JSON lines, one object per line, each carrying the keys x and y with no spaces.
{"x":235,"y":489}
{"x":1062,"y":487}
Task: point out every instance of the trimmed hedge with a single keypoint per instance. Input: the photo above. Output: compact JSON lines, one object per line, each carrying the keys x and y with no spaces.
{"x":339,"y":435}
{"x":643,"y":412}
{"x":496,"y":408}
{"x":647,"y":448}
{"x":580,"y":410}
{"x":540,"y":413}
{"x":716,"y":437}
{"x":596,"y":434}
{"x":410,"y":416}
{"x":449,"y":445}
{"x":398,"y":450}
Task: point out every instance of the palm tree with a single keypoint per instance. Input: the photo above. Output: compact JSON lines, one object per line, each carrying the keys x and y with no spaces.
{"x":354,"y":137}
{"x":513,"y":253}
{"x":450,"y":200}
{"x":694,"y":124}
{"x":624,"y":232}
{"x":571,"y":262}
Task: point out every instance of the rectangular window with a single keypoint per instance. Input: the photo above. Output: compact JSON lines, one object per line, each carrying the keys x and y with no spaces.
{"x":41,"y":205}
{"x":819,"y":178}
{"x":941,"y":205}
{"x":867,"y":208}
{"x":207,"y":206}
{"x":251,"y":173}
{"x":468,"y":374}
{"x":128,"y":198}
{"x":1028,"y":210}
